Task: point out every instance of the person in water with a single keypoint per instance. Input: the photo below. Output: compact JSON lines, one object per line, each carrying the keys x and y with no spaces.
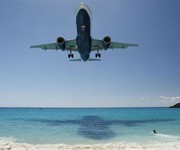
{"x":154,"y":131}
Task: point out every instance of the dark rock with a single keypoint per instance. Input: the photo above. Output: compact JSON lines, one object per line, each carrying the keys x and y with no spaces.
{"x":175,"y":106}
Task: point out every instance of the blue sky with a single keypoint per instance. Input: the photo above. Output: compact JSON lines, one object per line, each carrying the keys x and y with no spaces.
{"x":145,"y":76}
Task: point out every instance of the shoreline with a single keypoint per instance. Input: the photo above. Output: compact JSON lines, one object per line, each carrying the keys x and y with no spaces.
{"x":12,"y":145}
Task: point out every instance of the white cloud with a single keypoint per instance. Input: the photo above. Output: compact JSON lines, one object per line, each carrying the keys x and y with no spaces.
{"x":144,"y":98}
{"x":170,"y":99}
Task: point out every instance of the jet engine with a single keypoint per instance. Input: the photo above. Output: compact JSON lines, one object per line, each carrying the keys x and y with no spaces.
{"x":61,"y":43}
{"x":106,"y":42}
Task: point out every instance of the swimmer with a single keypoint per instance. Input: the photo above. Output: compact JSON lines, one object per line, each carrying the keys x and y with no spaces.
{"x":154,"y":131}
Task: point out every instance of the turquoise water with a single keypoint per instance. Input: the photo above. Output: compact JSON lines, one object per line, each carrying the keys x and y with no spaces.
{"x":89,"y":125}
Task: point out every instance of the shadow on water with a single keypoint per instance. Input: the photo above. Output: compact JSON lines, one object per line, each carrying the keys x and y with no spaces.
{"x":95,"y":127}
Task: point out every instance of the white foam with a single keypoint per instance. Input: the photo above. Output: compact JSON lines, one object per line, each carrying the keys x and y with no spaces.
{"x":12,"y":145}
{"x":168,"y":136}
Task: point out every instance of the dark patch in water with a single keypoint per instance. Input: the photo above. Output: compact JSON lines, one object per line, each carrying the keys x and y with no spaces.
{"x":97,"y":128}
{"x":132,"y":123}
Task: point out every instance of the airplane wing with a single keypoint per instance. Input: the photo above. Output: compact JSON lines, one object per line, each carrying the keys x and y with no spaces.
{"x":69,"y":45}
{"x":98,"y":45}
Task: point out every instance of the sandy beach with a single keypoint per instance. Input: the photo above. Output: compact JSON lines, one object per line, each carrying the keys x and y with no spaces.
{"x":10,"y":145}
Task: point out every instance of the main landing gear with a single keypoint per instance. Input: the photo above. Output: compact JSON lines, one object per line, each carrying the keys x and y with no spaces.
{"x":98,"y":55}
{"x":70,"y":55}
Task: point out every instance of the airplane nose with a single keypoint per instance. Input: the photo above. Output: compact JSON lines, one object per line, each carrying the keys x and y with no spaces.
{"x":83,"y":6}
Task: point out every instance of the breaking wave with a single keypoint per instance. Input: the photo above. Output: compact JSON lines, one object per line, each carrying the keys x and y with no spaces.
{"x":11,"y":144}
{"x":167,"y":136}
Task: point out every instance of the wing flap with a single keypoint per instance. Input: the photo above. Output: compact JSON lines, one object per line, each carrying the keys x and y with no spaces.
{"x":50,"y":46}
{"x":98,"y":45}
{"x":69,"y":45}
{"x":121,"y":45}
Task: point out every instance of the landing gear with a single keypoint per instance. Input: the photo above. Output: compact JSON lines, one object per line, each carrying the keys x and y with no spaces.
{"x":98,"y":55}
{"x":70,"y":55}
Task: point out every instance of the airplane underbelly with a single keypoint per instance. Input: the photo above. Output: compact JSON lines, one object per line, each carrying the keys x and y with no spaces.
{"x":83,"y":22}
{"x":84,"y":45}
{"x":83,"y":32}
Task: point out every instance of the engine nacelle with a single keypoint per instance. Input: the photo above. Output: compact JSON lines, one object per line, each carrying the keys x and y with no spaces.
{"x":106,"y":42}
{"x":61,"y":43}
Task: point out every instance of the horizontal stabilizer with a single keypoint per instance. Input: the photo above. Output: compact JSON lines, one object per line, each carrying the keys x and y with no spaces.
{"x":90,"y":59}
{"x":93,"y":59}
{"x":75,"y":60}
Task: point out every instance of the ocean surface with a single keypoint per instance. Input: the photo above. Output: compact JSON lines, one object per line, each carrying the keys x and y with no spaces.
{"x":90,"y":126}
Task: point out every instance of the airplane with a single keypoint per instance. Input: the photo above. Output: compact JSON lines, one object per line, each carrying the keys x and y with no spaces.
{"x":83,"y":43}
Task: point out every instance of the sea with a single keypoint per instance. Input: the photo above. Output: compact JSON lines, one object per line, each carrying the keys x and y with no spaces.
{"x":108,"y":128}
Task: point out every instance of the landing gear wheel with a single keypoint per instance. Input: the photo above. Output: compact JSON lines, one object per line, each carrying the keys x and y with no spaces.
{"x":70,"y":55}
{"x":98,"y":55}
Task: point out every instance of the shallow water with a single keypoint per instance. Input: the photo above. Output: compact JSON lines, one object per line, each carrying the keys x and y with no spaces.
{"x":90,"y":126}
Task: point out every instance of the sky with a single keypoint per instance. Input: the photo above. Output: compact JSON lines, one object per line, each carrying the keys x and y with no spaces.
{"x":144,"y":76}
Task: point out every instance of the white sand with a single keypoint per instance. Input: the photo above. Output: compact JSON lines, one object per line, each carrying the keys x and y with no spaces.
{"x":11,"y":145}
